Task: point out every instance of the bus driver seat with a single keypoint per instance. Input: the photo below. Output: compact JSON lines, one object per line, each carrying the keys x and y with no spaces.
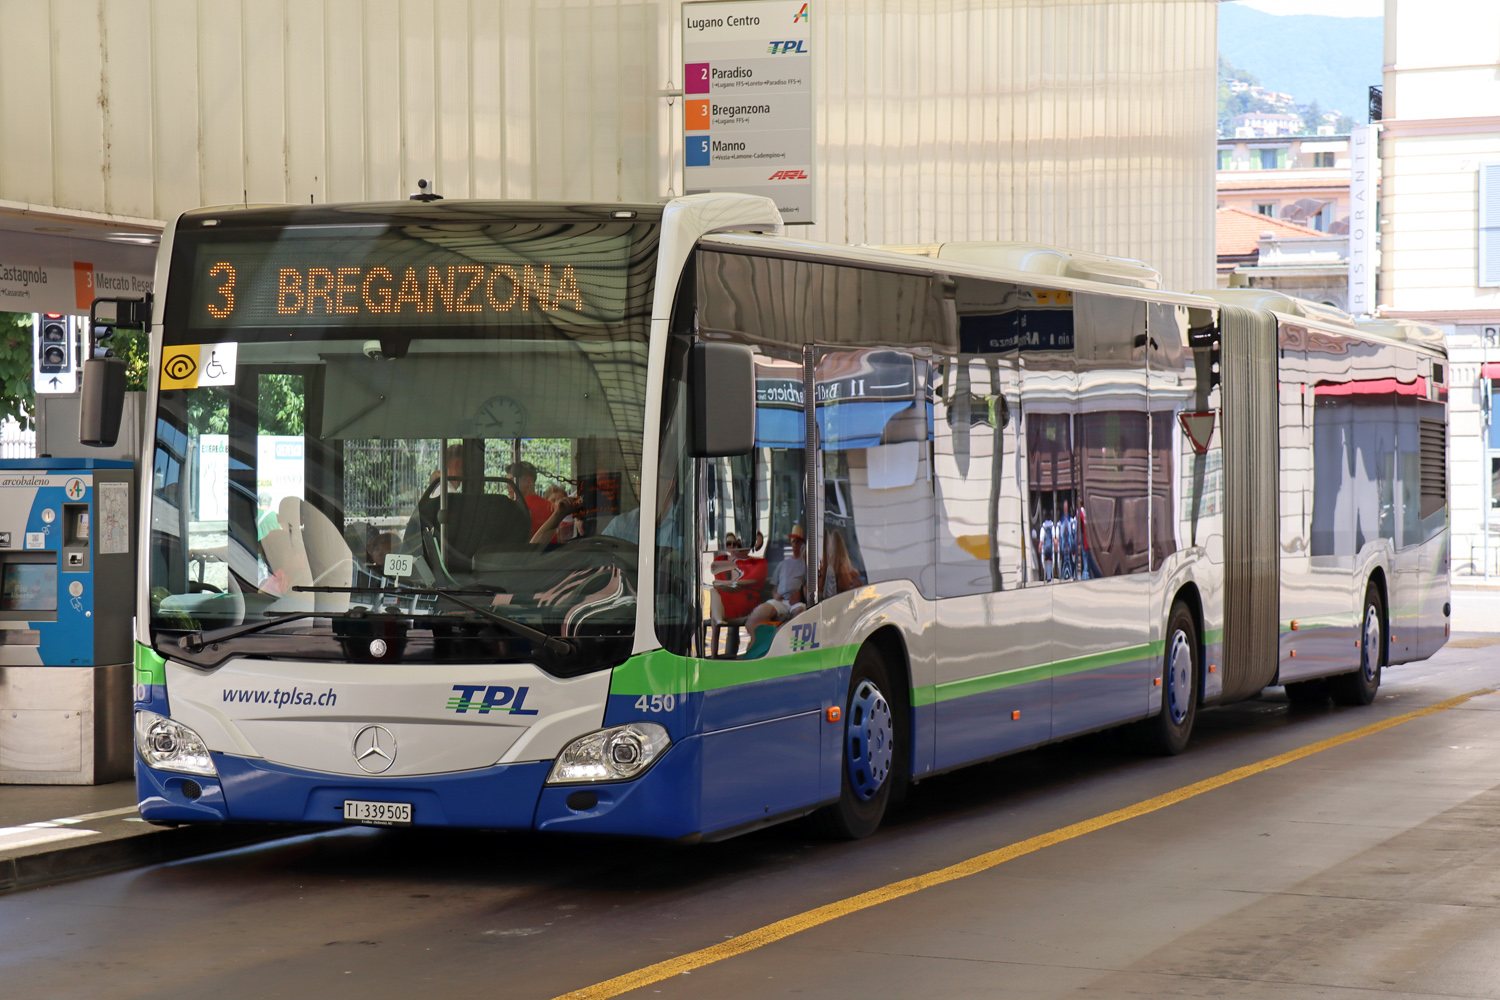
{"x":478,"y":523}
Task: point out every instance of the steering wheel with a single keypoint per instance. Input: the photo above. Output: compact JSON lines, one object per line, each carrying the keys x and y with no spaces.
{"x":608,"y":544}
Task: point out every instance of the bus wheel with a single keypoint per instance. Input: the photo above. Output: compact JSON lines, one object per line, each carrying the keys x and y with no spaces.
{"x":873,"y":750}
{"x":1360,"y":687}
{"x":1168,"y":731}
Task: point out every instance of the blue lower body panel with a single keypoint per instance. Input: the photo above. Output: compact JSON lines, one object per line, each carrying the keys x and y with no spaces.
{"x":501,"y":797}
{"x":983,"y":725}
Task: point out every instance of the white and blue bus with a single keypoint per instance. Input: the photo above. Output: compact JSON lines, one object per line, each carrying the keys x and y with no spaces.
{"x":652,"y":520}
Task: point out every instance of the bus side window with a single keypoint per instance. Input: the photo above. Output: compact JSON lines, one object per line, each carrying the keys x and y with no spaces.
{"x":1112,"y":438}
{"x":873,"y":425}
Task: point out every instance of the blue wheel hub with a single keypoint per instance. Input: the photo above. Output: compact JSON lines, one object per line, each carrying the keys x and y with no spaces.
{"x":1179,"y":677}
{"x":1369,"y":647}
{"x":869,"y":740}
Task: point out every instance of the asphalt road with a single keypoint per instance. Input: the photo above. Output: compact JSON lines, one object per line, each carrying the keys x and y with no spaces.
{"x":1372,"y":867}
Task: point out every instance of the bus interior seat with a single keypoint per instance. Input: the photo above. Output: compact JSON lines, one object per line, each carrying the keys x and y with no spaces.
{"x":307,"y":550}
{"x":477,"y":522}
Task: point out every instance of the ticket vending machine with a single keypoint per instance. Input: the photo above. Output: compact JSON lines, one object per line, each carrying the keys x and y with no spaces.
{"x":67,"y":597}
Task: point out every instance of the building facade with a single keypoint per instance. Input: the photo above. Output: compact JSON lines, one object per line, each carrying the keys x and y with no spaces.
{"x":1081,"y":123}
{"x":1303,"y":180}
{"x":1440,"y":135}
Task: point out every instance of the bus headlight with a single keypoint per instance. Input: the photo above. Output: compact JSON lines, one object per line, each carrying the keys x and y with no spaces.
{"x":610,"y":754}
{"x":171,"y":746}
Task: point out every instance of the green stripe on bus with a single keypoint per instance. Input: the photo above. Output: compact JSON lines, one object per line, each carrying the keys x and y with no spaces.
{"x":149,"y":667}
{"x":936,"y":693}
{"x":661,"y":672}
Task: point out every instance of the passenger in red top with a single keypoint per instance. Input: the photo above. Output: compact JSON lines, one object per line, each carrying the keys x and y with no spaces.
{"x":524,"y":475}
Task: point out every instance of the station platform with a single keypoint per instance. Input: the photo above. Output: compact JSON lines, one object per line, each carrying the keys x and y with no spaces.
{"x":52,"y":833}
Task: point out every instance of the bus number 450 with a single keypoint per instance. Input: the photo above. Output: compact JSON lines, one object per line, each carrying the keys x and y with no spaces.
{"x":656,"y":703}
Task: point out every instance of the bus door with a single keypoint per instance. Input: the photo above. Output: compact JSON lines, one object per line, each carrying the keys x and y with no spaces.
{"x":1320,"y":524}
{"x":874,"y":422}
{"x":994,"y":607}
{"x":1095,"y":488}
{"x":994,"y":690}
{"x":1352,"y":391}
{"x":760,"y":665}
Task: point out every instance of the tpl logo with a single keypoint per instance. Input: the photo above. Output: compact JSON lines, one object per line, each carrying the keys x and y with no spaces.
{"x":788,"y":48}
{"x":788,"y":175}
{"x":497,"y":698}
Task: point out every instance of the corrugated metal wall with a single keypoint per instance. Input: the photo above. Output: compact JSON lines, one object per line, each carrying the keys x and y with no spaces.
{"x":1087,"y":123}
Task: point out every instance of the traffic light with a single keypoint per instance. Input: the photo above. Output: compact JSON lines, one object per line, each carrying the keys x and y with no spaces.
{"x":54,"y":343}
{"x":55,"y":353}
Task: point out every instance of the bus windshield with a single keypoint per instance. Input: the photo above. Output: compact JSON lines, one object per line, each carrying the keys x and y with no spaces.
{"x":408,"y":439}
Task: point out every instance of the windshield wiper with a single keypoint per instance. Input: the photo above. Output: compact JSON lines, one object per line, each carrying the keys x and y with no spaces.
{"x":194,"y":642}
{"x":555,"y":645}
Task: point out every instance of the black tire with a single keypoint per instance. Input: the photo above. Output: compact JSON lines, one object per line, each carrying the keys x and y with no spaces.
{"x":1314,"y":692}
{"x":1360,"y":686}
{"x":869,"y":769}
{"x":1168,"y":731}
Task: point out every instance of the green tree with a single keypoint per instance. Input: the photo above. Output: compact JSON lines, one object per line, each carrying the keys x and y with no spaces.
{"x":1312,"y":117}
{"x":281,"y":403}
{"x":134,"y":348}
{"x":17,"y":395}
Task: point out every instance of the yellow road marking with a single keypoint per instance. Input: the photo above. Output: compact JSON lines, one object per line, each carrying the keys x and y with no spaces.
{"x":823,"y":914}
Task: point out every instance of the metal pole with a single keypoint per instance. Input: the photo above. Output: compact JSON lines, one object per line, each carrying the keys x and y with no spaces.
{"x":443,"y":502}
{"x":1486,"y":476}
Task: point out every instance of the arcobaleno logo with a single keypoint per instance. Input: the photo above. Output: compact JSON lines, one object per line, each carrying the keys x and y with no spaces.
{"x":23,"y":481}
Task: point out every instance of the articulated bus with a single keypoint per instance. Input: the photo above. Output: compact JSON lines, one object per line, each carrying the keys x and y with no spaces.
{"x":653,"y":520}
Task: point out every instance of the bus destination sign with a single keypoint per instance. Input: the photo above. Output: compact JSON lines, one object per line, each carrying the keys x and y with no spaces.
{"x":277,"y":285}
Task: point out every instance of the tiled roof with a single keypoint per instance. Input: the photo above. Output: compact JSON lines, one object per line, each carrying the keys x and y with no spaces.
{"x":1237,"y":232}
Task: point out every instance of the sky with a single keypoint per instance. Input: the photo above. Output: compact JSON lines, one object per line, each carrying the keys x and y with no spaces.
{"x":1332,"y":8}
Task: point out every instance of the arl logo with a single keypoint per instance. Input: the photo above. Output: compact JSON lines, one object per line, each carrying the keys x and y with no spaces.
{"x":793,"y":47}
{"x":788,"y":175}
{"x":497,"y":698}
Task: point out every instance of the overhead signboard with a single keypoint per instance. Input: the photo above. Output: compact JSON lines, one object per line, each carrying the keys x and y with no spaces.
{"x":27,"y":286}
{"x":748,"y":101}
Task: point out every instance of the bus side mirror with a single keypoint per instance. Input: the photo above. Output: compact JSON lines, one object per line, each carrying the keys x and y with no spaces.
{"x":102,"y":402}
{"x":722,"y":394}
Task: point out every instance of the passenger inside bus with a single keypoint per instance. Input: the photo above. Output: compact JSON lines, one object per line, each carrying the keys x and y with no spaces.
{"x":787,"y":597}
{"x":524,"y":476}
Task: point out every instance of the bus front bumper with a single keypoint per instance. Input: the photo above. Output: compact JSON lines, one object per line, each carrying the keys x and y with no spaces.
{"x":663,"y":802}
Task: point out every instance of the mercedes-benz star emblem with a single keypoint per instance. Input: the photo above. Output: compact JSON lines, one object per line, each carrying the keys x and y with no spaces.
{"x":374,"y":749}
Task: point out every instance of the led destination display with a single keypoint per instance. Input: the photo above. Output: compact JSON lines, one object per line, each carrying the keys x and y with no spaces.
{"x":391,"y":280}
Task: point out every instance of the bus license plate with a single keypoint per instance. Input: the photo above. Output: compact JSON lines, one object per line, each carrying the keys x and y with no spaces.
{"x":378,"y":813}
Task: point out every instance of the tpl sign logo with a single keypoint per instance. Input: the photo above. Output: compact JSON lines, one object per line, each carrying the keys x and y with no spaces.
{"x":788,"y":48}
{"x":788,"y":175}
{"x":497,"y":698}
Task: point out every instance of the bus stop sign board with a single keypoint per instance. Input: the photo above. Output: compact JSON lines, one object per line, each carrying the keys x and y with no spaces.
{"x":747,"y":101}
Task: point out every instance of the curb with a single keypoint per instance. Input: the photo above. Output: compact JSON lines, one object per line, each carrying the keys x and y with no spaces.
{"x":152,"y":847}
